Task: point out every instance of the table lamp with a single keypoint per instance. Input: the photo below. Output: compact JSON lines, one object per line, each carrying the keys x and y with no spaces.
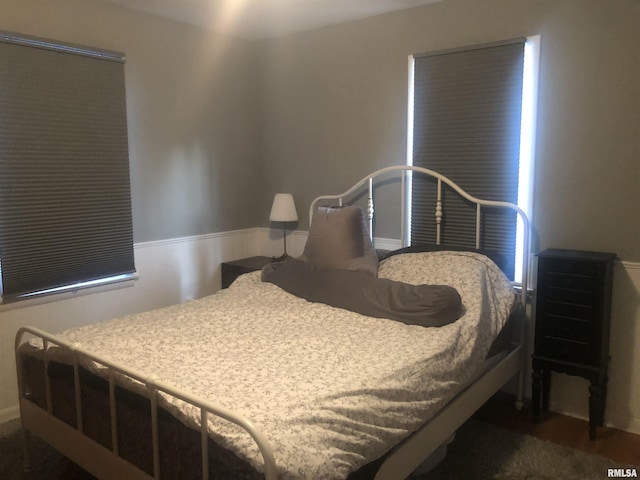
{"x":283,"y":210}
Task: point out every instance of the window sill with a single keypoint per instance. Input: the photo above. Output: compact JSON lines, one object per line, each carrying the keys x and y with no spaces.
{"x":40,"y":298}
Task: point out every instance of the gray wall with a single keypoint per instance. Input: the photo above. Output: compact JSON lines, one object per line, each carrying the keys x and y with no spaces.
{"x":192,"y":112}
{"x":333,"y":107}
{"x":218,"y":125}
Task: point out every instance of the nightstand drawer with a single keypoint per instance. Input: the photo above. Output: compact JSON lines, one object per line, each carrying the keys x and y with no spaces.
{"x":566,"y":328}
{"x":572,"y":281}
{"x":567,"y":295}
{"x":555,"y":265}
{"x":565,"y":350}
{"x":570,"y":310}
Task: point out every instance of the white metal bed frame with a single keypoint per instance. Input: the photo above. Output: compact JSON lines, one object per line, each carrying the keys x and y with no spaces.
{"x":404,"y":458}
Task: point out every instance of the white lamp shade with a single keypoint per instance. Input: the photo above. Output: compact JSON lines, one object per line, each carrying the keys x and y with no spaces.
{"x":283,"y":208}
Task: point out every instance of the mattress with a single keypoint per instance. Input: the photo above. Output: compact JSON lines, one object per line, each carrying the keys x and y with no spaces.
{"x":331,"y":389}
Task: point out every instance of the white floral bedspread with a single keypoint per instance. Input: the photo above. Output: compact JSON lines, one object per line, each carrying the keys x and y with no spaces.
{"x":331,"y":389}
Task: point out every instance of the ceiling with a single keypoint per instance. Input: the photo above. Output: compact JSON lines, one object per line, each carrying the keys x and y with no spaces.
{"x":259,"y":19}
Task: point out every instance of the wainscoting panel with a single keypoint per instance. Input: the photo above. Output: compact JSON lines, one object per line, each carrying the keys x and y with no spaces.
{"x":170,"y":271}
{"x":177,"y":270}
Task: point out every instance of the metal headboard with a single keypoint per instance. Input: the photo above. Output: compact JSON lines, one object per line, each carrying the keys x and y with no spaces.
{"x":404,"y":171}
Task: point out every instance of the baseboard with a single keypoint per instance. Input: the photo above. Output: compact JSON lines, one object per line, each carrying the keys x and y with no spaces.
{"x":10,"y":413}
{"x":626,"y":424}
{"x":631,"y":425}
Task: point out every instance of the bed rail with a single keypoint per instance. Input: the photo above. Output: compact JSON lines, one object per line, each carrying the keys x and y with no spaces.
{"x":153,"y":387}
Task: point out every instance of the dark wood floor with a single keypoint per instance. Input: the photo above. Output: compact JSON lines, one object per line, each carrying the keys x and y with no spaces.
{"x":620,"y":446}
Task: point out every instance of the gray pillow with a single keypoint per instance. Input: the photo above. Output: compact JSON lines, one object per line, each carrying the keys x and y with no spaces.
{"x":339,"y":239}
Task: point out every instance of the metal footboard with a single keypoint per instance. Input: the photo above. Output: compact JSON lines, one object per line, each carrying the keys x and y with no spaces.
{"x":43,"y":423}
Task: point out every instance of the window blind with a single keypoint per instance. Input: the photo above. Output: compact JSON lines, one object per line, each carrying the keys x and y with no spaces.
{"x":65,"y":204}
{"x":467,"y":116}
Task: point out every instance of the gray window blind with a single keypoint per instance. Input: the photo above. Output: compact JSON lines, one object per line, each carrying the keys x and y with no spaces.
{"x":65,"y":206}
{"x":467,"y":109}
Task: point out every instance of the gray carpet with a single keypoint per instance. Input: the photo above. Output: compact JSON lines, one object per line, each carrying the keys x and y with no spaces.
{"x":480,"y":451}
{"x":483,"y":451}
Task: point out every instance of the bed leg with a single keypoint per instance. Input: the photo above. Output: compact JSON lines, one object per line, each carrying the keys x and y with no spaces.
{"x":26,"y":450}
{"x":519,"y":404}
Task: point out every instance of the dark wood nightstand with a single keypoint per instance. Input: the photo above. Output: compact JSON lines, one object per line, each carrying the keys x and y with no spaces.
{"x":573,"y":311}
{"x":232,"y":270}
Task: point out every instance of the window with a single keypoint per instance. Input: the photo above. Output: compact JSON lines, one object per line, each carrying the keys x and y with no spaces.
{"x":65,"y":203}
{"x":471,"y":119}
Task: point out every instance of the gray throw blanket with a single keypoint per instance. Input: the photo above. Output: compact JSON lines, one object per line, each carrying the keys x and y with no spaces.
{"x":426,"y":305}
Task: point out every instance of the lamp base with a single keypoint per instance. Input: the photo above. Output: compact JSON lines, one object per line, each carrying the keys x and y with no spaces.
{"x":281,"y":258}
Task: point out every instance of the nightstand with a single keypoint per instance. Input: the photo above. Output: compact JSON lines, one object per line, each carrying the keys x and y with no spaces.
{"x":232,"y":270}
{"x":573,"y":310}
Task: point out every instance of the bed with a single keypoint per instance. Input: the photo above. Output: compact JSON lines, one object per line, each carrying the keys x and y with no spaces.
{"x":263,"y":381}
